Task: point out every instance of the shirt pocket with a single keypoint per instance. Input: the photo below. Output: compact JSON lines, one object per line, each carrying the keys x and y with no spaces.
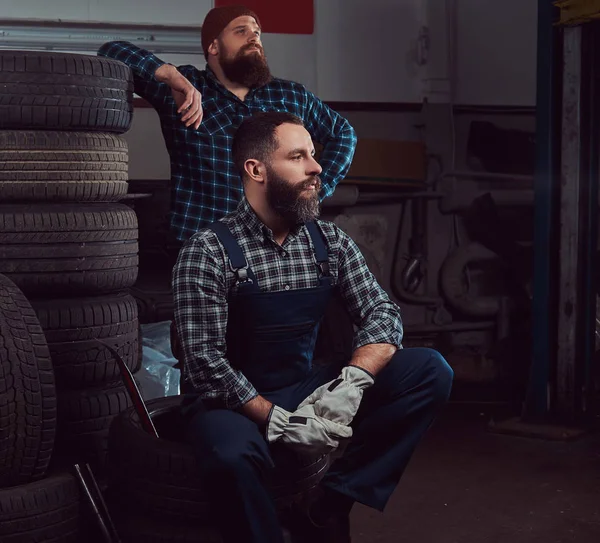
{"x":218,"y":119}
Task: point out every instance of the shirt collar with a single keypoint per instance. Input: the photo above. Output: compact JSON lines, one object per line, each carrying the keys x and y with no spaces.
{"x":256,"y":227}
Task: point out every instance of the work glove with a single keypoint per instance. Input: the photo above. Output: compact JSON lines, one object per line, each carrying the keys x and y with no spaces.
{"x":305,"y":431}
{"x":339,"y":400}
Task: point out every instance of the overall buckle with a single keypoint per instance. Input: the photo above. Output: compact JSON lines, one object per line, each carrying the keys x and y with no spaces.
{"x":241,"y":274}
{"x":323,"y":267}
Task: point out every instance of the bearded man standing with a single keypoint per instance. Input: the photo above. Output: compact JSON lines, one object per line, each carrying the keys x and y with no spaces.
{"x":200,"y":110}
{"x":250,"y":291}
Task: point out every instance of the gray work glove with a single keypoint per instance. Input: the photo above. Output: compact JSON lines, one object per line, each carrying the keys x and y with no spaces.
{"x":305,"y":431}
{"x":339,"y":400}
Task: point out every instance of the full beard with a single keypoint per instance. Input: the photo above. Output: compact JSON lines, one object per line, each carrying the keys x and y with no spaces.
{"x":288,"y":201}
{"x":250,"y":70}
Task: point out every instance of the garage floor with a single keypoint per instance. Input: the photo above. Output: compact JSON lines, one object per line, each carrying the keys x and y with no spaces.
{"x":467,"y":485}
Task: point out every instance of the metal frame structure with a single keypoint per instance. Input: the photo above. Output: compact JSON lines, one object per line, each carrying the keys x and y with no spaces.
{"x":566,"y":208}
{"x":537,"y":403}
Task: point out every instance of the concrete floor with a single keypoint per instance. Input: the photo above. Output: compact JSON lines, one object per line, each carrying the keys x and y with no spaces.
{"x":467,"y":485}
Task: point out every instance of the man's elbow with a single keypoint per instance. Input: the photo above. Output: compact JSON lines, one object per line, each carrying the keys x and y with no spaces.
{"x":105,"y":49}
{"x":349,"y":133}
{"x":111,"y":48}
{"x":351,"y":140}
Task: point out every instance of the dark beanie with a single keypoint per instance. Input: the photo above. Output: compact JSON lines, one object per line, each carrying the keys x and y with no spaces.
{"x":217,"y":19}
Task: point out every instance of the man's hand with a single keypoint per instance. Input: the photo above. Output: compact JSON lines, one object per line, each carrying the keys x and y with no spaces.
{"x":339,"y":400}
{"x":305,"y":431}
{"x":186,"y":96}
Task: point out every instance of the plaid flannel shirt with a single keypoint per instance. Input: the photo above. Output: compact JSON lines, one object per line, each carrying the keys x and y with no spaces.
{"x":203,"y":282}
{"x":205,"y":183}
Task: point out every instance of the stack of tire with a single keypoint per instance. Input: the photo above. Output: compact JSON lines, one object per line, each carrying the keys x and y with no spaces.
{"x":36,"y":505}
{"x":65,"y":240}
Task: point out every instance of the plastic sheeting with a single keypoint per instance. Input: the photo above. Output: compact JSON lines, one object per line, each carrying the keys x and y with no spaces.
{"x":157,"y":377}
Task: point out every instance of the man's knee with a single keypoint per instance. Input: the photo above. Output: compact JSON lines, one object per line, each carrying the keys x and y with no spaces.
{"x":432,"y":370}
{"x":443,"y":375}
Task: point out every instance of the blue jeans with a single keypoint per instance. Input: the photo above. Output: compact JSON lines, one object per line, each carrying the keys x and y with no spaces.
{"x":234,"y":458}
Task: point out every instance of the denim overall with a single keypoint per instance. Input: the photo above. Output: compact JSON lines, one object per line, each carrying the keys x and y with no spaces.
{"x":271,"y":338}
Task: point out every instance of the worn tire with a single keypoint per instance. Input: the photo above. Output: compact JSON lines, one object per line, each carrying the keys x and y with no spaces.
{"x":27,"y":392}
{"x":84,"y":419}
{"x":43,"y":511}
{"x":51,"y":250}
{"x":158,"y":477}
{"x":62,"y":166}
{"x":72,"y":326}
{"x":61,"y":91}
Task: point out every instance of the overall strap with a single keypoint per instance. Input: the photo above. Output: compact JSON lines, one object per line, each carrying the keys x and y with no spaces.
{"x":237,"y":260}
{"x":320,"y":245}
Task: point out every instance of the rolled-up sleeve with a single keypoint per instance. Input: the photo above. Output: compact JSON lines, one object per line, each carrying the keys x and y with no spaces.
{"x":374,"y":313}
{"x":200,"y":299}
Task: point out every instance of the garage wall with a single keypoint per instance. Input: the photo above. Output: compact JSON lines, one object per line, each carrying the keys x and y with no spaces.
{"x":496,"y":52}
{"x":188,"y":12}
{"x":366,"y":50}
{"x":361,"y":51}
{"x":291,"y":57}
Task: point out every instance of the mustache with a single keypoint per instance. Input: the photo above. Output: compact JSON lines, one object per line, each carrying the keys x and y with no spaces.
{"x":314,"y":180}
{"x":252,"y":45}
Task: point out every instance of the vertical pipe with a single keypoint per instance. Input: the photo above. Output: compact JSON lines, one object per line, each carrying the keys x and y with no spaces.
{"x":537,"y":399}
{"x":570,"y":237}
{"x":591,"y":116}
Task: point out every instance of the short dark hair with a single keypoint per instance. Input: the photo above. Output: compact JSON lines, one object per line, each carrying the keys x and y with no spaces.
{"x":255,"y":138}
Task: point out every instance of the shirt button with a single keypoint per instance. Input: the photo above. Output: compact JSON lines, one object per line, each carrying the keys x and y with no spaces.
{"x":287,"y":287}
{"x":284,"y":253}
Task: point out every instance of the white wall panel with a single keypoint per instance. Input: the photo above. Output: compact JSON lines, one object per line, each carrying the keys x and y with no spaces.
{"x":366,"y":50}
{"x":185,"y":12}
{"x":68,"y":10}
{"x":496,"y":52}
{"x":292,"y":57}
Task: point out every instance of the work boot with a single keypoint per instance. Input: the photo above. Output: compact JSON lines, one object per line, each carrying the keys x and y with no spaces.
{"x":325,"y":519}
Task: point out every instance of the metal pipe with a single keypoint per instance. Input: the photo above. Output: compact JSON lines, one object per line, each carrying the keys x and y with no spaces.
{"x":461,"y":200}
{"x":414,"y":270}
{"x":488,"y":176}
{"x":546,"y":185}
{"x":387,"y":198}
{"x":453,"y":327}
{"x":570,"y":236}
{"x":99,"y":518}
{"x":396,"y":275}
{"x":452,"y":285}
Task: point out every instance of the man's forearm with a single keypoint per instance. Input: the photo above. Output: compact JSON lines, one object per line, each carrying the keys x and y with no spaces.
{"x":374,"y":357}
{"x":166,"y":73}
{"x":257,"y":410}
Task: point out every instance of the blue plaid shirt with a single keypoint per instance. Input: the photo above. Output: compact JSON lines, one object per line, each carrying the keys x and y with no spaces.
{"x":206,"y":185}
